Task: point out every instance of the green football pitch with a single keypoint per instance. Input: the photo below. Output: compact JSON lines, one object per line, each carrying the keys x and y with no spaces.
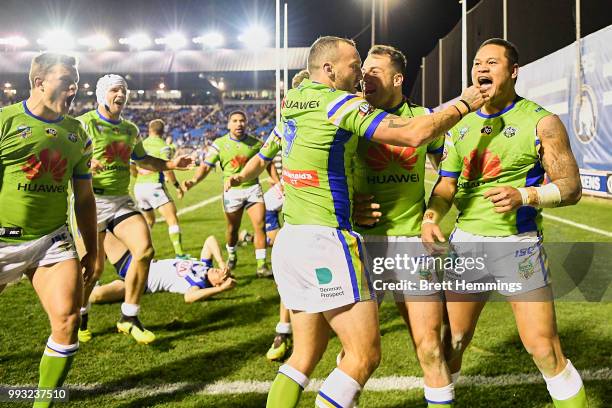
{"x":211,"y":354}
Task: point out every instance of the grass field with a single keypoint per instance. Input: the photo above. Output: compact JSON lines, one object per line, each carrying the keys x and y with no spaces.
{"x":224,"y":340}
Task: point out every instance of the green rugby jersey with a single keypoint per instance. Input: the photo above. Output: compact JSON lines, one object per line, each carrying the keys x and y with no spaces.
{"x":37,"y":159}
{"x":155,"y":147}
{"x":320,"y":127}
{"x":114,"y":143}
{"x":233,"y":154}
{"x":395,"y":176}
{"x":487,"y":151}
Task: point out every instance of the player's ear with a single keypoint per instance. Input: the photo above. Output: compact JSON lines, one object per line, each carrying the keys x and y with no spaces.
{"x":398,"y":79}
{"x":329,"y":70}
{"x":38,"y":83}
{"x":515,"y":69}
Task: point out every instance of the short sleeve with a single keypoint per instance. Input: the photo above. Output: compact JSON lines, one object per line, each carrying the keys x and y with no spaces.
{"x":451,"y":164}
{"x":212,"y":156}
{"x":272,"y":145}
{"x":354,"y":114}
{"x":139,"y":151}
{"x":165,"y":153}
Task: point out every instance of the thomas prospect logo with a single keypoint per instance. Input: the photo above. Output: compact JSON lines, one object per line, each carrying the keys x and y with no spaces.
{"x":486,"y":165}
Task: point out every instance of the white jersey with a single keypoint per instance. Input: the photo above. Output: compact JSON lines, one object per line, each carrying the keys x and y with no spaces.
{"x":176,"y":275}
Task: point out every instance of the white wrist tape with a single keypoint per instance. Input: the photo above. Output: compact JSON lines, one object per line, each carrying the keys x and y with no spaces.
{"x":546,"y":196}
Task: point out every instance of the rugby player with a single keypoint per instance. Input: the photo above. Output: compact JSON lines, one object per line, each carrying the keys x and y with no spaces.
{"x":195,"y":280}
{"x":41,"y":151}
{"x":494,"y":167}
{"x":150,"y":190}
{"x":395,"y":179}
{"x":115,"y":141}
{"x":233,"y":151}
{"x":318,"y":258}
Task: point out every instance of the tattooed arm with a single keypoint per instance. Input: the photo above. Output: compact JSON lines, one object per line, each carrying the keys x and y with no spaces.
{"x":558,"y":159}
{"x":420,"y":130}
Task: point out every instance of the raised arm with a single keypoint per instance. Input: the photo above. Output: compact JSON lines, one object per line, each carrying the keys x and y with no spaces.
{"x":420,"y":130}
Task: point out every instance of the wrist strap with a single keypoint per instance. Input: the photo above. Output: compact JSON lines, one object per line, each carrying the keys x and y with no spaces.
{"x":467,"y":105}
{"x":459,"y":112}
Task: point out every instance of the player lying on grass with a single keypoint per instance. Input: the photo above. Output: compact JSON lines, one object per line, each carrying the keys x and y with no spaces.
{"x":494,"y":166}
{"x":195,"y":280}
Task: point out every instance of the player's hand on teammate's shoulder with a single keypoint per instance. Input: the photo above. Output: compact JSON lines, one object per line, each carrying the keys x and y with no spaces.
{"x":504,"y":199}
{"x":365,"y":210}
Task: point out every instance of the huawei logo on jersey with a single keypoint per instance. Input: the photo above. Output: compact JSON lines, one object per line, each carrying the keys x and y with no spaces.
{"x":486,"y":165}
{"x":48,"y":161}
{"x":117,"y":150}
{"x":379,"y":156}
{"x":239,"y":161}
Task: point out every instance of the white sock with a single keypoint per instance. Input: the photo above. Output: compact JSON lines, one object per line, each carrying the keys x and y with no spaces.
{"x":260,"y":253}
{"x":54,"y":349}
{"x":283,"y":328}
{"x":442,"y":395}
{"x":300,"y":378}
{"x":173,"y":229}
{"x":564,"y":385}
{"x":85,"y":310}
{"x":129,"y":309}
{"x":455,"y":376}
{"x":230,"y":249}
{"x":339,"y":389}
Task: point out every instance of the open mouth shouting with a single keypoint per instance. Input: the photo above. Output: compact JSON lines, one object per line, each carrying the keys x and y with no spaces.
{"x":485,"y":82}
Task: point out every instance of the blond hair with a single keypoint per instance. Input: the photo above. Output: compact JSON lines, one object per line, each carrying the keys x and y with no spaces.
{"x":43,"y":63}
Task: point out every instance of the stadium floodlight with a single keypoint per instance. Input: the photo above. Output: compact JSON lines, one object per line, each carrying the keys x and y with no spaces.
{"x":14,"y":41}
{"x":57,"y":40}
{"x":86,"y":85}
{"x":162,"y":86}
{"x":8,"y":85}
{"x":210,"y":40}
{"x":138,"y":41}
{"x":254,"y":37}
{"x":173,"y":41}
{"x":96,"y":42}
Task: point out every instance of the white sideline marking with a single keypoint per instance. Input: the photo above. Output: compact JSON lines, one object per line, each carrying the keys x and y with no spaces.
{"x":568,"y":222}
{"x":198,"y":205}
{"x":394,"y":383}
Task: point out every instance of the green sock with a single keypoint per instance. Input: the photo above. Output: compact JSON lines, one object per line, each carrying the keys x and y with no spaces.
{"x":577,"y":401}
{"x":175,"y":237}
{"x":54,"y":366}
{"x":430,"y":405}
{"x":284,"y":393}
{"x":261,"y":262}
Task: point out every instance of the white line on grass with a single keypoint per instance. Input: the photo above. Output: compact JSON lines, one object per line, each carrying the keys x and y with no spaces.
{"x":394,"y":383}
{"x":567,"y":222}
{"x":198,"y":205}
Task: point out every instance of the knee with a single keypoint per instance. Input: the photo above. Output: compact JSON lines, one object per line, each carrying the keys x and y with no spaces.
{"x":367,"y":361}
{"x":459,"y":342}
{"x":65,"y":323}
{"x":544,"y":354}
{"x":429,"y":349}
{"x":144,"y":254}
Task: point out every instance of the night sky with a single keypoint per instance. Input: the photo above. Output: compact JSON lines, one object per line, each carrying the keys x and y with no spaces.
{"x":414,"y":26}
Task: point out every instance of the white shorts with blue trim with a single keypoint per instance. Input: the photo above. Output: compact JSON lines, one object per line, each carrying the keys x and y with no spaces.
{"x":320,"y":268}
{"x":112,"y":207}
{"x":16,"y":259}
{"x":237,"y":198}
{"x":150,"y":196}
{"x":517,"y":264}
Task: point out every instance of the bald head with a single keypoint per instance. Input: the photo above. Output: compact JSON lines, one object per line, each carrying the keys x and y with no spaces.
{"x":325,"y":49}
